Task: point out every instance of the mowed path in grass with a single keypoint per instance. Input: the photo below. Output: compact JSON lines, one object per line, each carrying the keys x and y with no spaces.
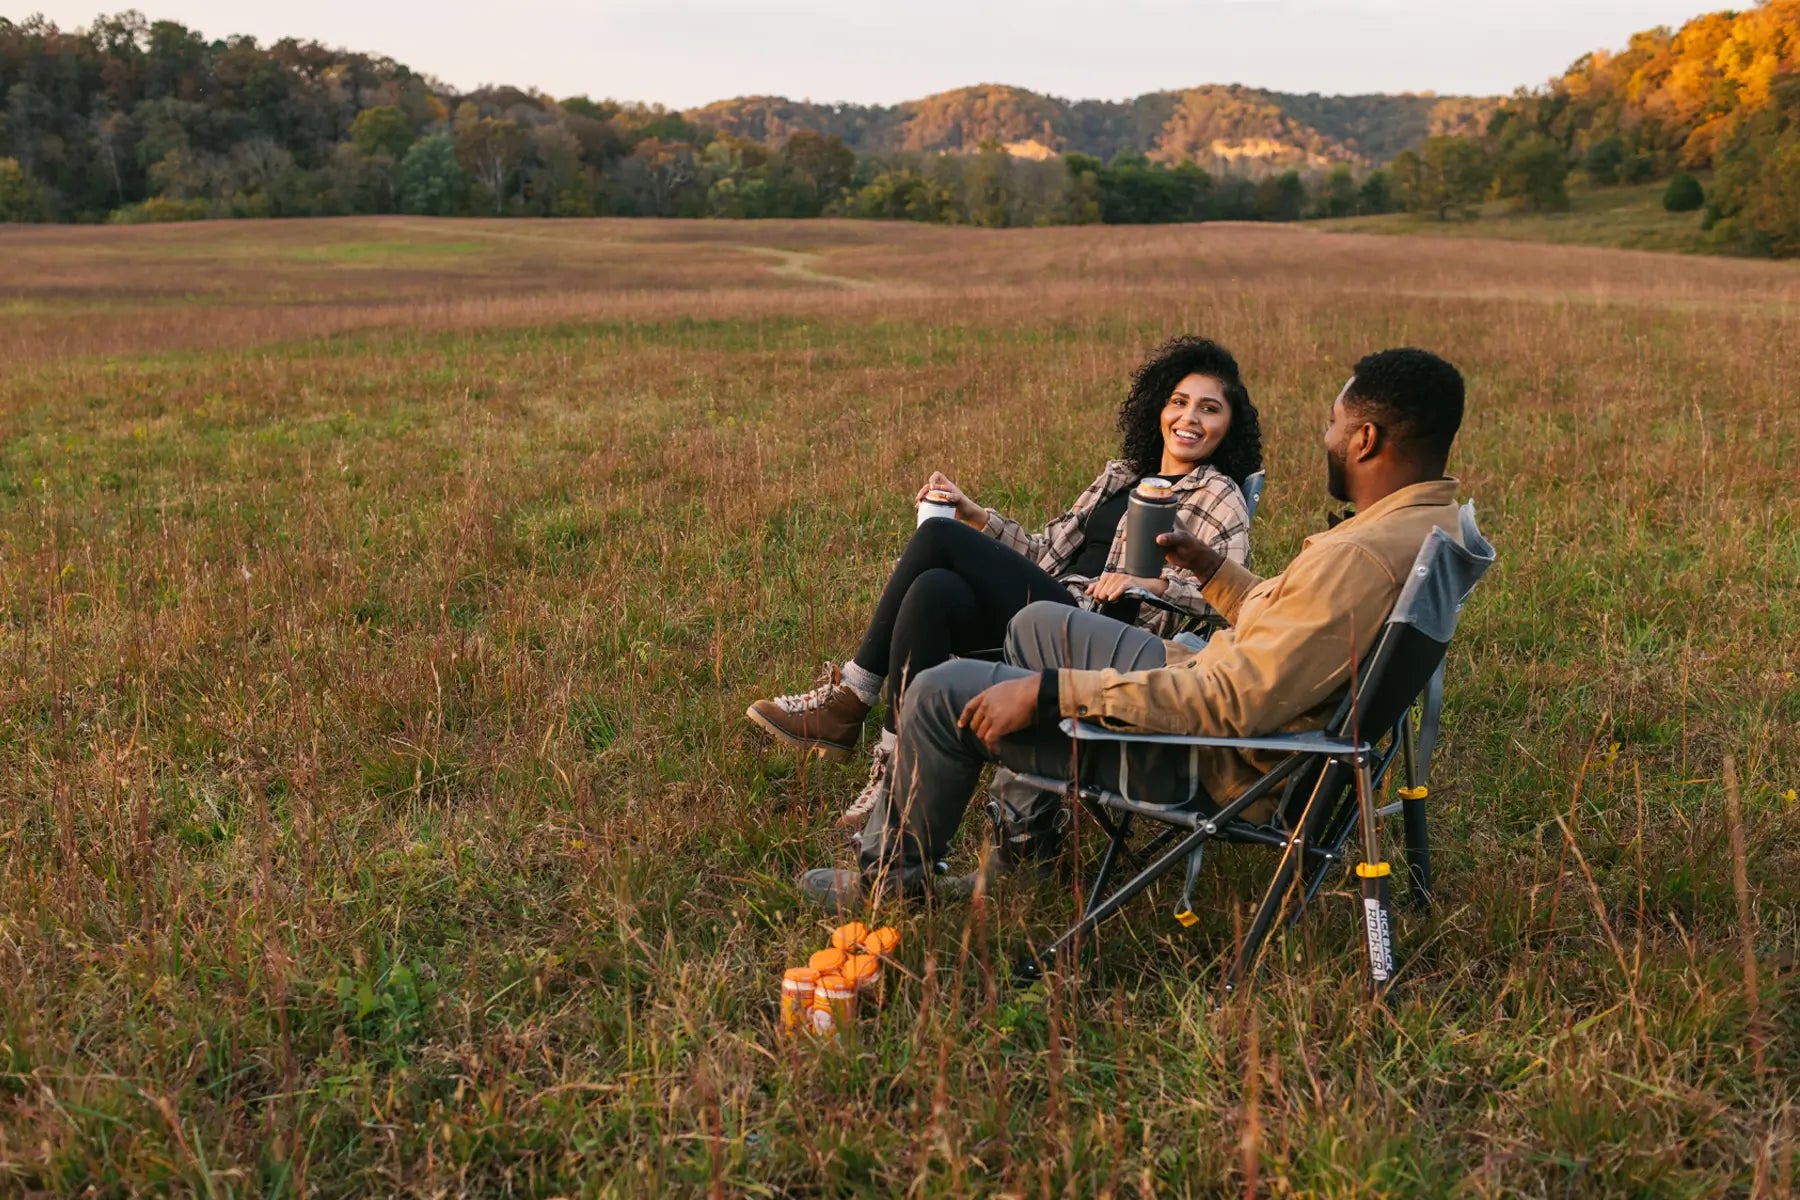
{"x":379,"y":600}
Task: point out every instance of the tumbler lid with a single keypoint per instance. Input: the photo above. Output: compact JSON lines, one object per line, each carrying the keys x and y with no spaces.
{"x":1155,"y":489}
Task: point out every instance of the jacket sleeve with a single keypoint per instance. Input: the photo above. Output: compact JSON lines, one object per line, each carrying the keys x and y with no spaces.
{"x":1055,"y":547}
{"x":1220,"y":518}
{"x":1226,"y":590}
{"x":1289,"y":659}
{"x":1011,"y":534}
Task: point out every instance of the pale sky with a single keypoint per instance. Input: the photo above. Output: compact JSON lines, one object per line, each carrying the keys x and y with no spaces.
{"x":686,"y":52}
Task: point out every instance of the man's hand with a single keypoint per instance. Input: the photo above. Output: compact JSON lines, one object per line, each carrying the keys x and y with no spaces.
{"x":1113,"y":584}
{"x":1182,"y":549}
{"x":1002,"y":709}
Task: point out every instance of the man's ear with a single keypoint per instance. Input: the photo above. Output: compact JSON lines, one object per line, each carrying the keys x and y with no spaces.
{"x":1366,"y":442}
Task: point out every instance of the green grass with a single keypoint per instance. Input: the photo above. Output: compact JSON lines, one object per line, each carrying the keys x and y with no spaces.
{"x":377,"y":815}
{"x":379,"y":254}
{"x":1627,"y":218}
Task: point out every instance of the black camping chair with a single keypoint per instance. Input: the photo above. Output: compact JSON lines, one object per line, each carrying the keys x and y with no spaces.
{"x":1326,"y":782}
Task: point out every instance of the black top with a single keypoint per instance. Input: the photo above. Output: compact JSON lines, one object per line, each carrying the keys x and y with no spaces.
{"x":1102,"y":525}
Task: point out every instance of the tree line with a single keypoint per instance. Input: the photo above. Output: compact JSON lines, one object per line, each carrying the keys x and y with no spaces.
{"x":133,"y":120}
{"x":1721,"y":94}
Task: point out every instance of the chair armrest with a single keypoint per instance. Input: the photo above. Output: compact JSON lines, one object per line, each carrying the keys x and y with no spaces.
{"x":1316,"y":742}
{"x":1186,"y":618}
{"x":1145,"y":596}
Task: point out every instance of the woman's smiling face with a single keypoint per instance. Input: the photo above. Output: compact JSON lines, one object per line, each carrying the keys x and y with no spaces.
{"x":1194,"y":421}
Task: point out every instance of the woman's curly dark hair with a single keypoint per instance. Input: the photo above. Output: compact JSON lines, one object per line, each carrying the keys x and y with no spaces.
{"x":1140,"y":417}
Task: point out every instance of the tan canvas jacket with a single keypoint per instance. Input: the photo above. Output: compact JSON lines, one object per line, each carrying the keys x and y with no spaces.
{"x":1209,"y":505}
{"x":1284,"y":664}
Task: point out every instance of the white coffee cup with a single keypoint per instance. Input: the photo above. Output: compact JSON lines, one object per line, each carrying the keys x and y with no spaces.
{"x":936,"y":504}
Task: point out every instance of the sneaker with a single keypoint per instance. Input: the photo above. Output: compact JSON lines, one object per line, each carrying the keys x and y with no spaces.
{"x":1027,"y":854}
{"x":835,"y":889}
{"x":839,"y":890}
{"x":875,"y":792}
{"x":827,"y":720}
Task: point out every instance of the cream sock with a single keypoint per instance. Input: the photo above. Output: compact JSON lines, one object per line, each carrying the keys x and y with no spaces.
{"x":864,"y":682}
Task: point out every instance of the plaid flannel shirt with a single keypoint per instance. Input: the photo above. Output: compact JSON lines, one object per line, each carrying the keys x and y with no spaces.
{"x":1208,"y":504}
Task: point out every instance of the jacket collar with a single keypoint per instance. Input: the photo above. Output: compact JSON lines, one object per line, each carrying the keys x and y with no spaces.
{"x":1119,"y":473}
{"x":1432,"y":493}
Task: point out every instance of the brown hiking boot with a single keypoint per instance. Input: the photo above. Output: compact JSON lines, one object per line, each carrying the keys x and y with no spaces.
{"x":827,"y":719}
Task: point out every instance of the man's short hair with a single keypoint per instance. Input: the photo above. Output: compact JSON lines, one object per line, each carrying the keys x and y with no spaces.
{"x":1413,"y":394}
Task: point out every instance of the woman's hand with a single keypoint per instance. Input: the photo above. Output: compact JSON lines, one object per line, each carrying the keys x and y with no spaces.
{"x":1113,"y":584}
{"x":967,"y":511}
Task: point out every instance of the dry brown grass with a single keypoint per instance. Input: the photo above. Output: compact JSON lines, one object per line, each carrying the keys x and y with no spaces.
{"x":380,"y":599}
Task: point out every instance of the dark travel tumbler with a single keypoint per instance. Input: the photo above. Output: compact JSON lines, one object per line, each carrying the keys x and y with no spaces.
{"x":1151,"y":512}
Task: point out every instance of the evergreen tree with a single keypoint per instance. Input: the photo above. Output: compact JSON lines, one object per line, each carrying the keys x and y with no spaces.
{"x":1684,"y":194}
{"x":431,"y":181}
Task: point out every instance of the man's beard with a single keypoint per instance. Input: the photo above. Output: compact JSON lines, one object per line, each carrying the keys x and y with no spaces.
{"x":1334,"y":476}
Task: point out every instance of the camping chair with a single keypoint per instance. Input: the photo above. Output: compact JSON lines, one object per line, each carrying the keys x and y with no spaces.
{"x":1327,"y":781}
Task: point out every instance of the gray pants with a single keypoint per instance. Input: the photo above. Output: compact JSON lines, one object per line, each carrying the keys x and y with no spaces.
{"x":938,"y":764}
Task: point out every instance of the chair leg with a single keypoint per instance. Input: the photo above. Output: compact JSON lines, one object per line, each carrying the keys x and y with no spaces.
{"x":1412,"y":812}
{"x":1031,"y":966}
{"x":1326,"y":829}
{"x":1114,"y":846}
{"x":1418,"y":851}
{"x":1266,"y":912}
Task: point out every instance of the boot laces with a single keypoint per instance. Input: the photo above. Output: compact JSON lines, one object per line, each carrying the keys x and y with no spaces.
{"x":821,"y":695}
{"x":880,"y":769}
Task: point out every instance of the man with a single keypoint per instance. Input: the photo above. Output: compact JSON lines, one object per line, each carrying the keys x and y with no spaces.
{"x":1284,"y":664}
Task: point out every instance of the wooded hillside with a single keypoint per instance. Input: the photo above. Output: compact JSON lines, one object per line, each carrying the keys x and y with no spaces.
{"x":129,"y":119}
{"x":1219,"y":125}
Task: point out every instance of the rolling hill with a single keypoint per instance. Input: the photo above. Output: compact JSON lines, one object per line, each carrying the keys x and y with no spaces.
{"x":1219,"y":125}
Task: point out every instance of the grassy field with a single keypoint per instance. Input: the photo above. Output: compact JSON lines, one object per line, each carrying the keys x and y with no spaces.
{"x":1630,"y":218}
{"x":379,"y":601}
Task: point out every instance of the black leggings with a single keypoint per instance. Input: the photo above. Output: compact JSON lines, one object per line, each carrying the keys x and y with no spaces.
{"x":953,"y":592}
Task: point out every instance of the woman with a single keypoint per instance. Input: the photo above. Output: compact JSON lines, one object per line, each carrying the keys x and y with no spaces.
{"x":1188,"y":419}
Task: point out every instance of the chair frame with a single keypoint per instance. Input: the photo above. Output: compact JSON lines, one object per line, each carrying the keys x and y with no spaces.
{"x":1328,"y":780}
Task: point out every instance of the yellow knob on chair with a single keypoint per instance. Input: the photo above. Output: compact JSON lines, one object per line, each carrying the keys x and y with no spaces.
{"x":1415,"y":793}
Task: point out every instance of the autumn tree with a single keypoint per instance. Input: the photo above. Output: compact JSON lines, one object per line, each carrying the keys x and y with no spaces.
{"x":1448,"y":174}
{"x":383,"y":129}
{"x":18,"y":199}
{"x":489,"y":150}
{"x":816,"y":169}
{"x":1280,"y":197}
{"x":1534,"y":171}
{"x":1338,"y":193}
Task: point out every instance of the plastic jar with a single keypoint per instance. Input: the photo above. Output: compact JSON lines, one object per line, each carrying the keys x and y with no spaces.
{"x":827,"y":962}
{"x":833,"y":1011}
{"x":864,"y":971}
{"x":797,"y":988}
